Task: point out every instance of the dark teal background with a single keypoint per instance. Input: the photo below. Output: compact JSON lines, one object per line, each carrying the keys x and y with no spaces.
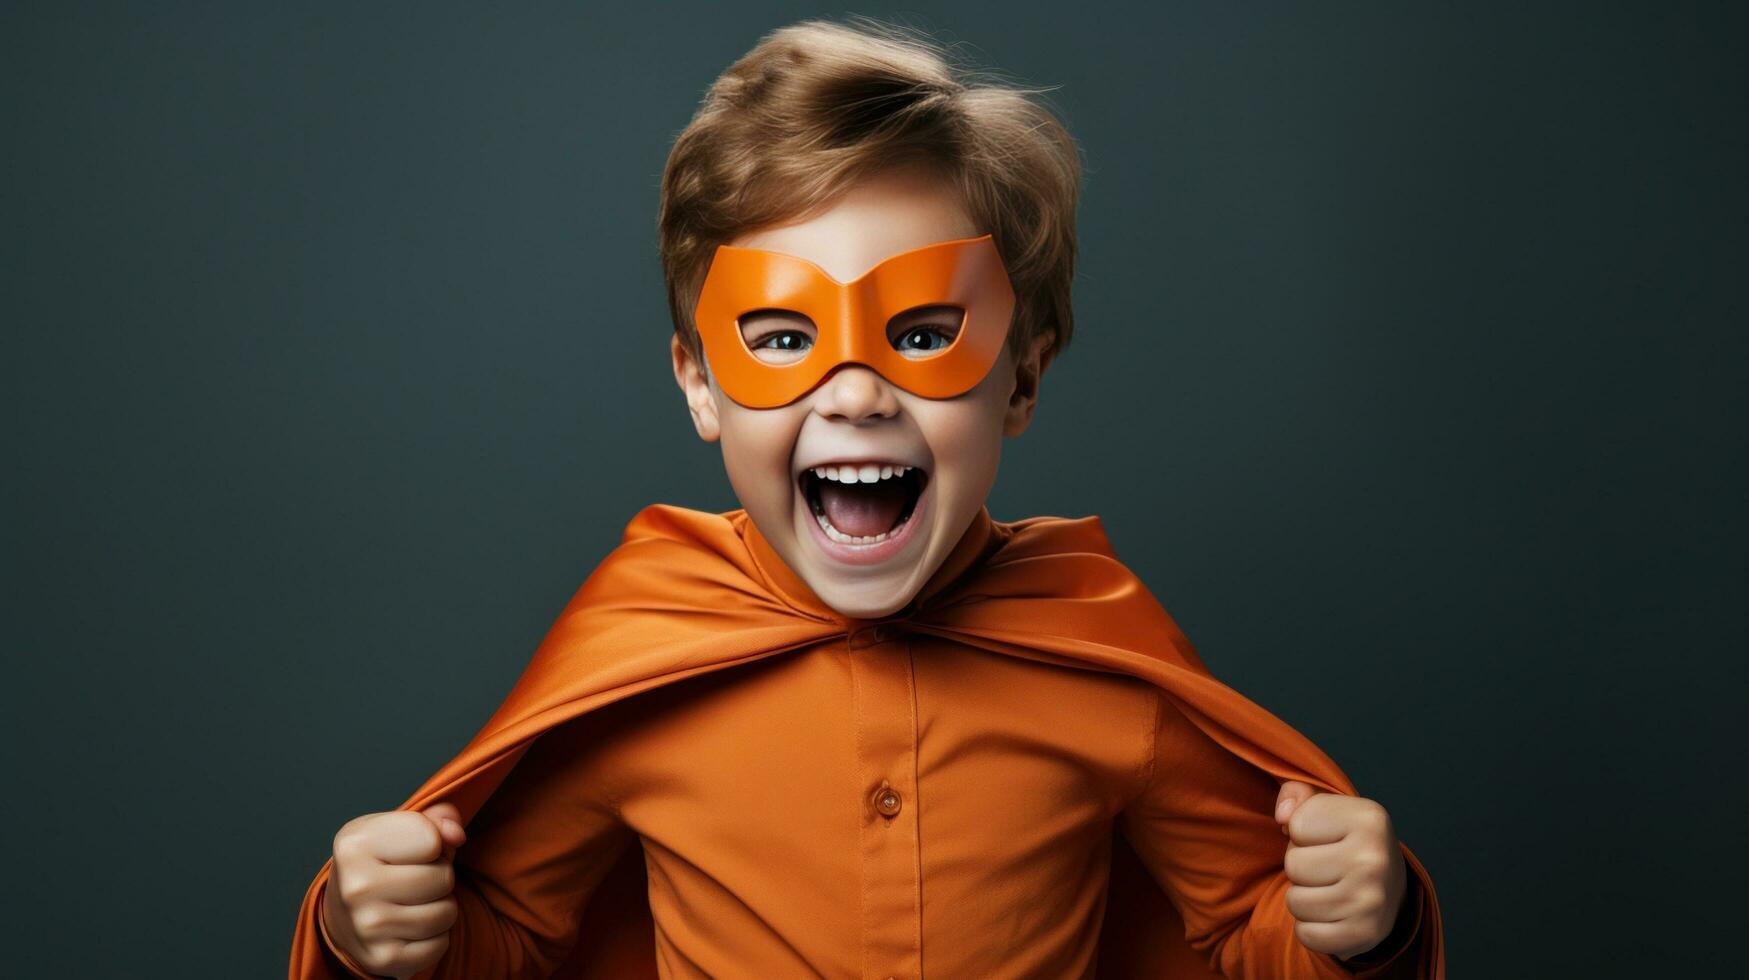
{"x":1409,"y":375}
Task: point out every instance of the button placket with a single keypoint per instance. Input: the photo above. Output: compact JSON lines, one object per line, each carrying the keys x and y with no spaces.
{"x":885,"y":714}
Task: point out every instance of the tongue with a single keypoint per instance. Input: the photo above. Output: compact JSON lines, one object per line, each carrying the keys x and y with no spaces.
{"x":862,"y":509}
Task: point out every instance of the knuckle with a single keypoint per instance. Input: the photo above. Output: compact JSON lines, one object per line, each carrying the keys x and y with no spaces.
{"x":353,"y":889}
{"x":396,"y":833}
{"x":420,"y":832}
{"x":363,"y":837}
{"x":1357,"y":864}
{"x":427,"y":883}
{"x":346,"y":845}
{"x":359,"y":824}
{"x":377,"y":957}
{"x":369,"y":920}
{"x":1372,"y":898}
{"x":347,"y":829}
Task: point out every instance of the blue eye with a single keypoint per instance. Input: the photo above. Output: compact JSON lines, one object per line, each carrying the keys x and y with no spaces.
{"x":787,"y":340}
{"x":782,"y":346}
{"x":924,"y":339}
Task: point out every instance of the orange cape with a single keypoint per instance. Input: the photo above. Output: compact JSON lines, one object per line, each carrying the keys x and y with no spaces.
{"x":683,"y":595}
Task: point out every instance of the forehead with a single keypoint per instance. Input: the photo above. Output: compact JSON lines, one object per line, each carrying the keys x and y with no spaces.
{"x":873,"y":221}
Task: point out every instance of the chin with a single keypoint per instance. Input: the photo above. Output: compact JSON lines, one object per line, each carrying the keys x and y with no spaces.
{"x":857,"y":604}
{"x":864,"y":595}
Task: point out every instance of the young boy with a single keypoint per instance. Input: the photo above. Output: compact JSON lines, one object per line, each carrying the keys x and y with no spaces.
{"x":875,"y":732}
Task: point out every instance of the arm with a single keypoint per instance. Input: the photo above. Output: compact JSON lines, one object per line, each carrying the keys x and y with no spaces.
{"x":533,"y":857}
{"x":1203,"y":825}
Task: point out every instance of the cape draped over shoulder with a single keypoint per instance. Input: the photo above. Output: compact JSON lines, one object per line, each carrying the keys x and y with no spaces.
{"x":688,"y":592}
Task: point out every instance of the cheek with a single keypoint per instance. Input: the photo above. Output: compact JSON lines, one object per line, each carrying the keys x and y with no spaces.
{"x":966,"y":440}
{"x":756,"y":445}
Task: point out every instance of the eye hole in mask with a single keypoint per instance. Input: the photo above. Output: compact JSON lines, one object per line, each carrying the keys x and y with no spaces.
{"x":926,"y":331}
{"x":777,"y":336}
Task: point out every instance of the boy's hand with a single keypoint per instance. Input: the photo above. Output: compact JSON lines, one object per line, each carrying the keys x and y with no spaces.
{"x":388,"y":903}
{"x":1347,"y":870}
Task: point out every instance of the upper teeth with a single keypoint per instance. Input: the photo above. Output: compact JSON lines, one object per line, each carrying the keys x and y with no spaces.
{"x":865,"y":473}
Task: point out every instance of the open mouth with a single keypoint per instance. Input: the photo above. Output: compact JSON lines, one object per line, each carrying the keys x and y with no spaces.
{"x":862,"y":504}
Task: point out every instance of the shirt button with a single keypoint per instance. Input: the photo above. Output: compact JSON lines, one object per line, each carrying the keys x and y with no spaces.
{"x":886,"y":800}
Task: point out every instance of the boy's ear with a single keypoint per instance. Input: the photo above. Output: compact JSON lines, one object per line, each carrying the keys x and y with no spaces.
{"x":689,"y":374}
{"x":1028,"y":372}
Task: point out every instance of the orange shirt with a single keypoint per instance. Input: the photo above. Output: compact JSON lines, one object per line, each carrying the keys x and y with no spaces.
{"x":757,"y":795}
{"x":887,"y":804}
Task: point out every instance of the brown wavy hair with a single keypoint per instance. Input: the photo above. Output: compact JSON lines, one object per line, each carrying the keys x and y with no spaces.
{"x":818,"y":105}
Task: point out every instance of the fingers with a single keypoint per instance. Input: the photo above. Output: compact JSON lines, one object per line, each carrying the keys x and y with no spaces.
{"x":447,"y":818}
{"x":1321,"y":864}
{"x":1335,"y":938}
{"x":400,"y":958}
{"x":412,"y":884}
{"x":1322,"y":818}
{"x":1292,"y":794}
{"x":1327,"y":903}
{"x":402,"y":837}
{"x":392,"y":884}
{"x":427,"y":921}
{"x":412,"y":923}
{"x":426,"y":951}
{"x":406,"y":838}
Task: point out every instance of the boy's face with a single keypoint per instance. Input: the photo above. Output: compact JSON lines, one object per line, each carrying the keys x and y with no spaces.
{"x":856,"y":416}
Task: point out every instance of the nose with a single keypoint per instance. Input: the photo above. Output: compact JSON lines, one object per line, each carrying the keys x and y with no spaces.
{"x":854,"y":393}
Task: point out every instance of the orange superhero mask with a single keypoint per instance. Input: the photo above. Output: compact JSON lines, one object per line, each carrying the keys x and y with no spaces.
{"x":851,"y":319}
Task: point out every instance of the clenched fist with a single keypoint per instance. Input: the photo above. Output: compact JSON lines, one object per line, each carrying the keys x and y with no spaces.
{"x":388,"y":903}
{"x":1348,"y":873}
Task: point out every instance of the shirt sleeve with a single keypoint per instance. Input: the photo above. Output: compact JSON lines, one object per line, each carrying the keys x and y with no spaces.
{"x":534,"y":855}
{"x":1204,"y":826}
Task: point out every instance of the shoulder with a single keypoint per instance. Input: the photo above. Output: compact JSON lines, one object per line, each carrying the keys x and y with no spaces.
{"x":660,"y":535}
{"x":671,"y":523}
{"x":1050,"y":534}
